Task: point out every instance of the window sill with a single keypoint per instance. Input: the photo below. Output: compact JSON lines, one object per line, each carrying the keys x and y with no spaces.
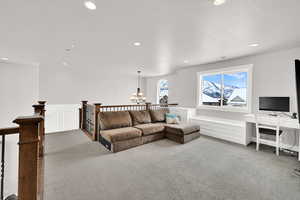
{"x":224,"y":109}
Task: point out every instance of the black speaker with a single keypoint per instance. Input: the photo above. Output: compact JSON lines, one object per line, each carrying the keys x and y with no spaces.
{"x":297,"y":72}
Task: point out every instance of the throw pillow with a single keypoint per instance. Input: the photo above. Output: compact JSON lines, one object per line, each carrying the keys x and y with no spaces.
{"x":172,"y":118}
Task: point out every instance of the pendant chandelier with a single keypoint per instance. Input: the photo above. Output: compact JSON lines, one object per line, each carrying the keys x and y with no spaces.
{"x":138,"y":97}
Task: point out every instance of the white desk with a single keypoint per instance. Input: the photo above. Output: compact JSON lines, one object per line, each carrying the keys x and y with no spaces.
{"x":285,"y":122}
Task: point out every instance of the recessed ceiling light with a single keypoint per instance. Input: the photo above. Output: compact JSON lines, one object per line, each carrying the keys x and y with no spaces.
{"x":137,"y":44}
{"x":90,"y":5}
{"x":4,"y":58}
{"x":186,"y":61}
{"x":65,"y":63}
{"x":219,"y":2}
{"x":253,"y":45}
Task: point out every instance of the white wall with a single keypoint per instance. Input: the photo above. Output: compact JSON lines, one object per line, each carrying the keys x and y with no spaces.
{"x":70,"y":85}
{"x":64,"y":87}
{"x":19,"y":90}
{"x":273,"y":75}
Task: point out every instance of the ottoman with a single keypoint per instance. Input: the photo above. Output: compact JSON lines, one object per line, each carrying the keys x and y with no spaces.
{"x":182,"y":133}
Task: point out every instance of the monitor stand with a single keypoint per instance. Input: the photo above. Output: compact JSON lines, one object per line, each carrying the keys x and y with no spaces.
{"x":273,"y":114}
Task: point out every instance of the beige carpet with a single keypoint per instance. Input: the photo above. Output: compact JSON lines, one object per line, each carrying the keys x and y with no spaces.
{"x":208,"y":169}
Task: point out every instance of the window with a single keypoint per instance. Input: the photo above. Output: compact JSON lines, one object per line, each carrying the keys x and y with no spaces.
{"x":226,"y":89}
{"x":163,"y":92}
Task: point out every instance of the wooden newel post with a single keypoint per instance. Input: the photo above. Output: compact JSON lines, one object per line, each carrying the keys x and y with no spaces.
{"x":148,"y":105}
{"x":97,"y":110}
{"x":82,"y":116}
{"x":41,"y":150}
{"x":40,"y":110}
{"x":28,"y":157}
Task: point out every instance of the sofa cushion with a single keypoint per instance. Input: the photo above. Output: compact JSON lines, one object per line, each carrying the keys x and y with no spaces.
{"x":140,"y":117}
{"x":182,"y":129}
{"x":121,"y":134}
{"x":150,"y":129}
{"x":159,"y":115}
{"x":111,"y":120}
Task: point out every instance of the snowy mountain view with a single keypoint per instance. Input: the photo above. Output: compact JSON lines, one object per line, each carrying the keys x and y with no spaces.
{"x":163,"y":91}
{"x":235,"y":90}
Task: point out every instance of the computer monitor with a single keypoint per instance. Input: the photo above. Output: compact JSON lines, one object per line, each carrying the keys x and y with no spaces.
{"x":275,"y":104}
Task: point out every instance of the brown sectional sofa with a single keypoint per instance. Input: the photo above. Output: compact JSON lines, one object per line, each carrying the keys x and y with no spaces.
{"x":122,"y":130}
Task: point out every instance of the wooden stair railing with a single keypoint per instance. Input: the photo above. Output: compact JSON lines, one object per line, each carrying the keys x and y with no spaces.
{"x":31,"y":151}
{"x":9,"y":131}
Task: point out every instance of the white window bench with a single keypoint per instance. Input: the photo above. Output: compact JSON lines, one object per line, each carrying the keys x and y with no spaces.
{"x":226,"y":129}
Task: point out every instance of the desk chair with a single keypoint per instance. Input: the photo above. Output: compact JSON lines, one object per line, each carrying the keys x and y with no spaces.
{"x":268,"y":127}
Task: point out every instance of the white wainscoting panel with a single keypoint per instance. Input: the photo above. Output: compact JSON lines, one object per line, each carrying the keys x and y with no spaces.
{"x":62,"y":117}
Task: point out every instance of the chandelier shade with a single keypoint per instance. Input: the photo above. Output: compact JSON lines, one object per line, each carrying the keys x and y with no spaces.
{"x":138,"y":97}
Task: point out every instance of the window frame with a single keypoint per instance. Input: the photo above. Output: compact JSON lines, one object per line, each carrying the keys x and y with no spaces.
{"x":242,"y":68}
{"x":158,"y":90}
